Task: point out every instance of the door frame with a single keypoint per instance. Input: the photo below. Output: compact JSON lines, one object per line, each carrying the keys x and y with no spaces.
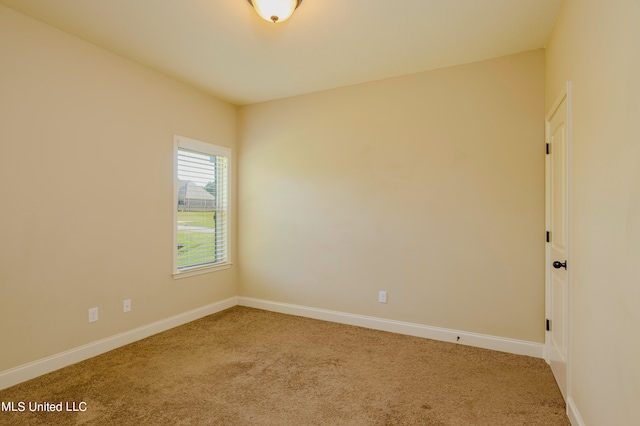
{"x":565,"y":93}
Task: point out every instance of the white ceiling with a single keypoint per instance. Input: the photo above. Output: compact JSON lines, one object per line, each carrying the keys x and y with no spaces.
{"x":224,"y":48}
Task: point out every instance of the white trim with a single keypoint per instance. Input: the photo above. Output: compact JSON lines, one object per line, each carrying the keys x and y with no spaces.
{"x":174,"y":264}
{"x":206,"y":148}
{"x":518,"y":347}
{"x":51,"y":363}
{"x":201,"y":270}
{"x":565,"y":93}
{"x":199,"y":146}
{"x":569,"y":259}
{"x":547,"y":221}
{"x":574,"y":415}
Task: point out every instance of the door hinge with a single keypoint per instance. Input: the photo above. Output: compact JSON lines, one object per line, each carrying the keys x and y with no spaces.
{"x":548,"y":237}
{"x":548,"y":325}
{"x":547,"y":148}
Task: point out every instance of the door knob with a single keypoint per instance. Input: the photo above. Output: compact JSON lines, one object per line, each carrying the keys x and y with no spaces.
{"x":559,"y":265}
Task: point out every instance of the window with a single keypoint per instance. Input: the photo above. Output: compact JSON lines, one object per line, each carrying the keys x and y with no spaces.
{"x":201,"y":242}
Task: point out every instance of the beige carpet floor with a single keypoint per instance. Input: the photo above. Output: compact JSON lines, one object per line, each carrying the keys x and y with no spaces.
{"x":246,"y":366}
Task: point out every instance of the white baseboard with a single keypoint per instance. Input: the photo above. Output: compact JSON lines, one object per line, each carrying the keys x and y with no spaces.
{"x":518,"y":347}
{"x":573,"y":413}
{"x":46,"y":365}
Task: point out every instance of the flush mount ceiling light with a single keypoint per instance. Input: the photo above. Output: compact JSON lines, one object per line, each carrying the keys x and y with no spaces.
{"x":275,"y":10}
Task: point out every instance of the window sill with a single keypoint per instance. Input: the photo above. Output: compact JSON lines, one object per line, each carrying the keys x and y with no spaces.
{"x":200,"y":270}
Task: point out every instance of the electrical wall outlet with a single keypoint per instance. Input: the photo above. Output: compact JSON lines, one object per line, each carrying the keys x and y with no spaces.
{"x":93,"y":314}
{"x":126,"y":305}
{"x":382,"y":297}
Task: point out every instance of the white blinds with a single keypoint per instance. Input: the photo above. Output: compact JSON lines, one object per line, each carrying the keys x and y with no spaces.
{"x":202,"y":207}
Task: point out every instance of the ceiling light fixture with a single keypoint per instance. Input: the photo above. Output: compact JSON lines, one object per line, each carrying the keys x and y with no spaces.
{"x":275,"y":10}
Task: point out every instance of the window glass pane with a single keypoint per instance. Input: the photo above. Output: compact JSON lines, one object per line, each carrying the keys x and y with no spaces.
{"x":201,"y":209}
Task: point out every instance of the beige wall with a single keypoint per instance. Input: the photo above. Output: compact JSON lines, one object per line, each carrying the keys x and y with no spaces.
{"x":596,"y":45}
{"x":86,"y":165}
{"x":429,"y":186}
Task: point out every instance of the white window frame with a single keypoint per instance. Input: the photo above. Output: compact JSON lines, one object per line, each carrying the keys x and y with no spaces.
{"x":209,"y":149}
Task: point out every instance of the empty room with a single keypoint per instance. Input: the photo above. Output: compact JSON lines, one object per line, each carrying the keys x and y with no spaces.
{"x":331,"y":212}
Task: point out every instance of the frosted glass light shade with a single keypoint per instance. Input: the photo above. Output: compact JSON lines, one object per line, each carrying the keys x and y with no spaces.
{"x":275,"y":10}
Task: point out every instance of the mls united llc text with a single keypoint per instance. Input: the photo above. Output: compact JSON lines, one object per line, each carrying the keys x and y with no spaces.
{"x":22,"y":406}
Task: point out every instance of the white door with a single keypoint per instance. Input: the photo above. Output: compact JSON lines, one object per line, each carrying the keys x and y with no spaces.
{"x":557,"y":252}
